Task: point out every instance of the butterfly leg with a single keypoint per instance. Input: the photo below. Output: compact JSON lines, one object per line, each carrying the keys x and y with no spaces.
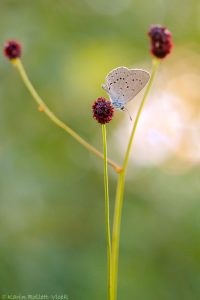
{"x":123,"y":108}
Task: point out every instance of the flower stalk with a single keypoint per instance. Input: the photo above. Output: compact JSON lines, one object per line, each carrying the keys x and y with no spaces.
{"x":42,"y":107}
{"x":107,"y":211}
{"x":120,"y":188}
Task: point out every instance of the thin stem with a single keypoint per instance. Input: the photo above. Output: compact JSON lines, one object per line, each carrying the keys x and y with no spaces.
{"x":44,"y":108}
{"x":107,"y":209}
{"x":116,"y":233}
{"x":120,"y":189}
{"x":149,"y":85}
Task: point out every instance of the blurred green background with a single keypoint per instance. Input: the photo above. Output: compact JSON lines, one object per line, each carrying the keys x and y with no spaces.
{"x":52,"y":236}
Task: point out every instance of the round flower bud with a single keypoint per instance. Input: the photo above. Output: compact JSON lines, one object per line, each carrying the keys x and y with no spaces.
{"x":102,"y":110}
{"x":12,"y":49}
{"x":161,"y":41}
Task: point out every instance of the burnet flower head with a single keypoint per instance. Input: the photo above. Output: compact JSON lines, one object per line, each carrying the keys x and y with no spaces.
{"x":161,"y":41}
{"x":103,"y":110}
{"x":12,"y":49}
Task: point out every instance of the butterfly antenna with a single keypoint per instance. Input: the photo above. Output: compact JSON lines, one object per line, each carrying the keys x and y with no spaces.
{"x":125,"y":109}
{"x":104,"y":86}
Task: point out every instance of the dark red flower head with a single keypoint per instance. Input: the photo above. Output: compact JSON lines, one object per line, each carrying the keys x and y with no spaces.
{"x":12,"y":49}
{"x":161,"y":41}
{"x":102,"y":110}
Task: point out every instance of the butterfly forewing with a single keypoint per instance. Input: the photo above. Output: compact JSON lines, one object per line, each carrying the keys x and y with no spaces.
{"x":124,"y":84}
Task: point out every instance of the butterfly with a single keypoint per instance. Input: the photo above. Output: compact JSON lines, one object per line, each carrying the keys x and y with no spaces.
{"x":123,"y":84}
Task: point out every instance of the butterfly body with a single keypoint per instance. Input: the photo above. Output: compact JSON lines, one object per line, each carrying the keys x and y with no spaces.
{"x":123,"y":84}
{"x":117,"y":103}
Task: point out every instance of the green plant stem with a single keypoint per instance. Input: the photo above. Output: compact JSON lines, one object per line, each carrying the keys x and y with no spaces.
{"x":116,"y":233}
{"x":120,"y":189}
{"x":149,"y":85}
{"x":107,"y":211}
{"x":44,"y":108}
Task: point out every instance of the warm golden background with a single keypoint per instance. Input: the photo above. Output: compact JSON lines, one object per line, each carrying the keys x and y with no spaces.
{"x":52,"y":235}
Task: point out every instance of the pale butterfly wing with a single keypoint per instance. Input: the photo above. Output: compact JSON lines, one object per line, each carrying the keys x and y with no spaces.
{"x":123,"y":84}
